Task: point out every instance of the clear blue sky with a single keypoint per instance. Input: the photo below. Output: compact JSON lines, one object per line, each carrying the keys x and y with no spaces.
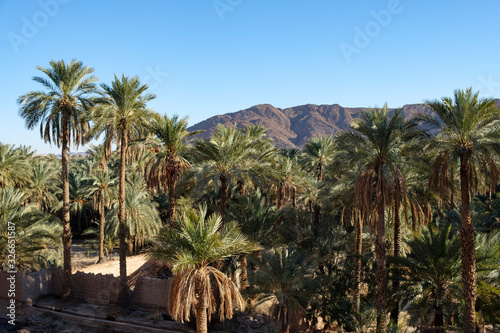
{"x":206,"y":57}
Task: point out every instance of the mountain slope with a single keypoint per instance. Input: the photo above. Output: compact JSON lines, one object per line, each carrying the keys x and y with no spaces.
{"x":292,"y":127}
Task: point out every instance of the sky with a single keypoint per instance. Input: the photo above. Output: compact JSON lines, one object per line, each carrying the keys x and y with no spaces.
{"x":208,"y":57}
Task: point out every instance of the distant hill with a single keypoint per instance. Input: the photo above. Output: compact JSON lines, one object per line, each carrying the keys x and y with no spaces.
{"x":292,"y":127}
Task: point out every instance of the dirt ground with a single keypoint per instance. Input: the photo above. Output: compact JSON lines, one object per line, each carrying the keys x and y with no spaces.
{"x":87,"y":263}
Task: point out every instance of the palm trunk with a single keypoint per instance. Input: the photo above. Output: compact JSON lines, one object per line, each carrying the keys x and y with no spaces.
{"x":201,"y":307}
{"x":281,"y":195}
{"x":397,"y":253}
{"x":468,"y":250}
{"x":66,"y":237}
{"x":130,"y":246}
{"x":381,"y":274}
{"x":357,"y":272}
{"x":241,"y":188}
{"x":223,"y":197}
{"x":101,"y":228}
{"x":294,"y":197}
{"x":171,"y":198}
{"x":438,"y":315}
{"x":317,"y":212}
{"x":244,"y":272}
{"x":122,"y":219}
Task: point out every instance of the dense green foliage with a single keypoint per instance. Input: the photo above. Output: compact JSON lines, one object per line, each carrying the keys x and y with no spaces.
{"x":319,"y":222}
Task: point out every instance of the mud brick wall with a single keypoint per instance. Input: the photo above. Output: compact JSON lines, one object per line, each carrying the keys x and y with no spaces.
{"x":42,"y":283}
{"x":151,"y":294}
{"x":95,"y":288}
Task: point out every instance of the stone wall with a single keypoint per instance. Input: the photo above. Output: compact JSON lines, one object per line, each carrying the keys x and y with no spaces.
{"x":149,"y":294}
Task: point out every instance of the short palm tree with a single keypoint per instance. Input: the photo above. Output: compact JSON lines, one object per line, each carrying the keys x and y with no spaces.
{"x":60,"y":111}
{"x":43,"y":186}
{"x":122,"y":117}
{"x":281,"y":278}
{"x":469,"y":136}
{"x":318,"y":153}
{"x":35,"y":234}
{"x":373,"y":147}
{"x":169,"y":143}
{"x":14,"y":166}
{"x":430,"y":269}
{"x":143,"y":219}
{"x":227,"y":157}
{"x":100,"y":186}
{"x":191,"y":246}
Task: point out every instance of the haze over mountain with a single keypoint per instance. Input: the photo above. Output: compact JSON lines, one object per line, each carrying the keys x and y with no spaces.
{"x":292,"y":127}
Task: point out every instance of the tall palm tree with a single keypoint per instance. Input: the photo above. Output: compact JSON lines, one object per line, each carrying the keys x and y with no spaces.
{"x":469,"y":137}
{"x":373,"y":148}
{"x":169,"y":143}
{"x":191,"y":246}
{"x":100,"y":186}
{"x":123,"y":117}
{"x":60,"y":111}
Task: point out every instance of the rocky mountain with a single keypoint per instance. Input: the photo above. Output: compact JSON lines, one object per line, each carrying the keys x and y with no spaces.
{"x":292,"y":127}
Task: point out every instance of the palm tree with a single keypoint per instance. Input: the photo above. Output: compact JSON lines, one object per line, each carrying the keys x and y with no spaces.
{"x":468,"y":137}
{"x":166,"y":166}
{"x":282,"y":277}
{"x":143,"y":219}
{"x":14,"y":165}
{"x":122,"y":117}
{"x":228,"y":156}
{"x":37,"y":237}
{"x":100,"y":187}
{"x":60,"y":113}
{"x":43,"y":186}
{"x":429,"y":270}
{"x":318,"y":153}
{"x":257,"y":218}
{"x":98,"y":156}
{"x":373,"y":148}
{"x":191,"y":246}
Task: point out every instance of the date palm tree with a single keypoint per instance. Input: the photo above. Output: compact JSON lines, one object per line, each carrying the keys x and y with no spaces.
{"x":143,"y":219}
{"x":100,"y":186}
{"x":169,"y":143}
{"x":282,"y":278}
{"x":227,"y":157}
{"x":14,"y":165}
{"x":122,"y":117}
{"x":36,"y":235}
{"x":191,"y":246}
{"x":60,"y":111}
{"x":469,"y":136}
{"x":44,"y":185}
{"x":427,"y":273}
{"x":373,"y":147}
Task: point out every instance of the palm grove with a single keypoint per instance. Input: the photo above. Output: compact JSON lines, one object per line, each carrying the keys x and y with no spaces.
{"x":394,"y":213}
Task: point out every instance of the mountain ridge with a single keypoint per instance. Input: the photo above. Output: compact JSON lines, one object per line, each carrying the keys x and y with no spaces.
{"x":293,"y":126}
